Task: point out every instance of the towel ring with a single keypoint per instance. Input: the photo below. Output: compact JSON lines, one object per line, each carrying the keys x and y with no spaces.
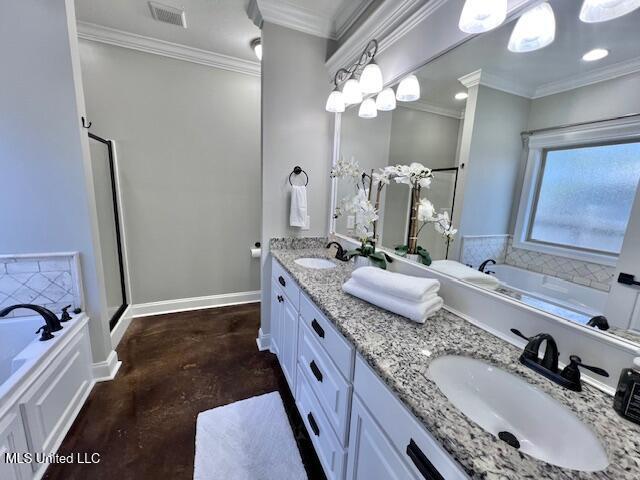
{"x":297,"y":171}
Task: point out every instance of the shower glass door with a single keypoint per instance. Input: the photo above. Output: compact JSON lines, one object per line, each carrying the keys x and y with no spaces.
{"x":104,"y":179}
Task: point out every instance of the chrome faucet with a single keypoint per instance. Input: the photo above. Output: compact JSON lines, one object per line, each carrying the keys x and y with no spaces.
{"x":547,"y":366}
{"x":52,"y":324}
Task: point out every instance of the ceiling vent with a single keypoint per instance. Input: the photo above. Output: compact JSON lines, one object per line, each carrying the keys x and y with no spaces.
{"x":168,"y":14}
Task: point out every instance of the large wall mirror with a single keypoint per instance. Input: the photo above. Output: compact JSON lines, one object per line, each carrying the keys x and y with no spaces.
{"x":536,"y":159}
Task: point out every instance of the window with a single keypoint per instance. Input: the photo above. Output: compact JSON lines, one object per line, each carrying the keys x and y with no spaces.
{"x":585,"y":195}
{"x":578,"y":191}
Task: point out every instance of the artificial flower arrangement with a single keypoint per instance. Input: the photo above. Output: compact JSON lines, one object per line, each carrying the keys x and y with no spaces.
{"x":423,"y":213}
{"x":364,"y":211}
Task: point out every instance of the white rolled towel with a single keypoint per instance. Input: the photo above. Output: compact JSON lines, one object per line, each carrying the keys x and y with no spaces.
{"x":416,"y":311}
{"x":415,"y":289}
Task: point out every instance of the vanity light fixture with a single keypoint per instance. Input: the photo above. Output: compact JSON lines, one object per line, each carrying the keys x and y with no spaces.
{"x":535,"y":29}
{"x":256,"y":46}
{"x":461,"y":96}
{"x":482,"y":15}
{"x":351,"y":92}
{"x":594,"y":11}
{"x":386,"y":100}
{"x":364,"y":69}
{"x":409,"y":89}
{"x":368,"y":108}
{"x":595,"y":54}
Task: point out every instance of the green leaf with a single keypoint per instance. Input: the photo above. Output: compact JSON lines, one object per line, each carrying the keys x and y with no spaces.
{"x":378,"y":260}
{"x":352,"y":253}
{"x":402,"y":250}
{"x":425,"y":258}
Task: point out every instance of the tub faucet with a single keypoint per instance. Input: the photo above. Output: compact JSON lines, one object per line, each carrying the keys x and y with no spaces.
{"x":484,"y":264}
{"x":53,"y":324}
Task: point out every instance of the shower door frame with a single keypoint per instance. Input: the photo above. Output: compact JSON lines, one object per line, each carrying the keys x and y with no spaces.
{"x":113,"y":321}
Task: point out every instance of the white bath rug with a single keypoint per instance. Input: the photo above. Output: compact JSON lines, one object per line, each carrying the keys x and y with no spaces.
{"x":247,"y":440}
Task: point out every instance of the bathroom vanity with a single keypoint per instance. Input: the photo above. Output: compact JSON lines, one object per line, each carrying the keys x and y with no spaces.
{"x":360,"y":377}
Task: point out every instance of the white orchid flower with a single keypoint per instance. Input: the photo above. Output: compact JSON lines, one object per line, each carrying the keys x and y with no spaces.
{"x":426,"y":210}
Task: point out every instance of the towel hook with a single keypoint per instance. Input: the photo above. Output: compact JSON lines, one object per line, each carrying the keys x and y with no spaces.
{"x":85,"y":124}
{"x":297,"y":171}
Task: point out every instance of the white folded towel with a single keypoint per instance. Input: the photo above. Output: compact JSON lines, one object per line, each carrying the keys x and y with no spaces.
{"x":298,"y":212}
{"x":468,"y":274}
{"x":415,"y":289}
{"x":418,"y":312}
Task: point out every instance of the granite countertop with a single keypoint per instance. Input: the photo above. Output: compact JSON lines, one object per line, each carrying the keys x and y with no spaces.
{"x":400,"y":352}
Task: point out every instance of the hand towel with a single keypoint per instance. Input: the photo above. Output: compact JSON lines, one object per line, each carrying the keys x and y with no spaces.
{"x":418,"y":312}
{"x":298,"y":212}
{"x":415,"y":289}
{"x":468,"y":274}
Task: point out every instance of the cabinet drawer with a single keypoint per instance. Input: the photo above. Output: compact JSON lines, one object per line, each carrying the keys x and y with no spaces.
{"x":329,"y":450}
{"x":408,"y":436}
{"x":339,"y":350}
{"x":331,"y":389}
{"x":289,"y":286}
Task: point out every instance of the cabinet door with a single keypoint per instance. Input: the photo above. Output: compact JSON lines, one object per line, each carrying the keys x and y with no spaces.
{"x":276,"y":317}
{"x":289,"y":337}
{"x":13,"y":440}
{"x":371,"y":456}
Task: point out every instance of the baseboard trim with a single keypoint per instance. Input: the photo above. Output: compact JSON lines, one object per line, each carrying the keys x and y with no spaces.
{"x":121,"y":327}
{"x":195,"y":303}
{"x":107,"y":370}
{"x":263,"y":341}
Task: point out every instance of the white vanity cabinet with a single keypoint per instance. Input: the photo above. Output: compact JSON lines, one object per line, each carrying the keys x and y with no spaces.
{"x":13,"y":439}
{"x":359,"y":428}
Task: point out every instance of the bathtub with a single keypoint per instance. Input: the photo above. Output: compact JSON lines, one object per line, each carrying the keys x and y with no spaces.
{"x":551,"y":294}
{"x":43,"y":385}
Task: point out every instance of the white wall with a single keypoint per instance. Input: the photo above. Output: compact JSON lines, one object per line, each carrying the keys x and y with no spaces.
{"x":46,"y":200}
{"x":296,"y":130}
{"x":187,"y":137}
{"x":492,"y":162}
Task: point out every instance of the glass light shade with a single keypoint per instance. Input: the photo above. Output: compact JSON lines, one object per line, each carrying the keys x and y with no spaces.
{"x":351,"y":92}
{"x":482,"y":15}
{"x":593,"y":11}
{"x":535,"y":29}
{"x":368,"y":109}
{"x":335,"y":102}
{"x":386,"y":100}
{"x":409,"y":89}
{"x":371,"y":79}
{"x":595,"y":54}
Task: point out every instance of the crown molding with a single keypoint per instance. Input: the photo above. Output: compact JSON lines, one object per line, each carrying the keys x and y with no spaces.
{"x":602,"y":74}
{"x":430,"y":108}
{"x":348,"y":14}
{"x":112,"y":36}
{"x":388,"y":17}
{"x":471,"y":79}
{"x":493,"y":81}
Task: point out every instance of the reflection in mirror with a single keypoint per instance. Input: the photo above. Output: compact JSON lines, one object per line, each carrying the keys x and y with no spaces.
{"x":536,"y":157}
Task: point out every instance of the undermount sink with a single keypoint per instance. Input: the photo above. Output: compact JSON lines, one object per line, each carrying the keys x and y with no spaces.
{"x":518,"y":413}
{"x":317,"y":263}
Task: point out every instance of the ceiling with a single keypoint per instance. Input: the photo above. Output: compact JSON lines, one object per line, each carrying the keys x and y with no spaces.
{"x":556,"y":67}
{"x":220,"y":26}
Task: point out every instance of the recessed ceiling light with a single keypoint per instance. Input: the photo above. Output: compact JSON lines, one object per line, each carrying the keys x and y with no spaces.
{"x":461,"y":96}
{"x":595,"y":54}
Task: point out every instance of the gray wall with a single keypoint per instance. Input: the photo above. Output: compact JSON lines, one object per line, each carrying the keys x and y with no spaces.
{"x":493,"y":162}
{"x":187,"y":138}
{"x":47,"y":201}
{"x":592,"y":102}
{"x":296,"y":130}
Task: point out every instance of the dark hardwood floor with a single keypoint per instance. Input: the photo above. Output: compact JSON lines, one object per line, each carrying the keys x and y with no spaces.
{"x":173,"y":367}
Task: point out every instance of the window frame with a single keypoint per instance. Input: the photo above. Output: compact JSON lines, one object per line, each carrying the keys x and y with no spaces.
{"x":604,"y":133}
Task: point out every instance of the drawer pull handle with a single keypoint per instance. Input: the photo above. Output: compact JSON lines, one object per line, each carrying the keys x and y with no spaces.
{"x":316,"y":371}
{"x":280,"y":299}
{"x":313,"y":424}
{"x":422,"y":463}
{"x":317,"y":328}
{"x":282,"y":282}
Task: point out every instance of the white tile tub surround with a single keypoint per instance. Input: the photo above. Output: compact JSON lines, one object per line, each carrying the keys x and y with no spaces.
{"x":478,"y":248}
{"x":583,"y":273}
{"x":51,"y":280}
